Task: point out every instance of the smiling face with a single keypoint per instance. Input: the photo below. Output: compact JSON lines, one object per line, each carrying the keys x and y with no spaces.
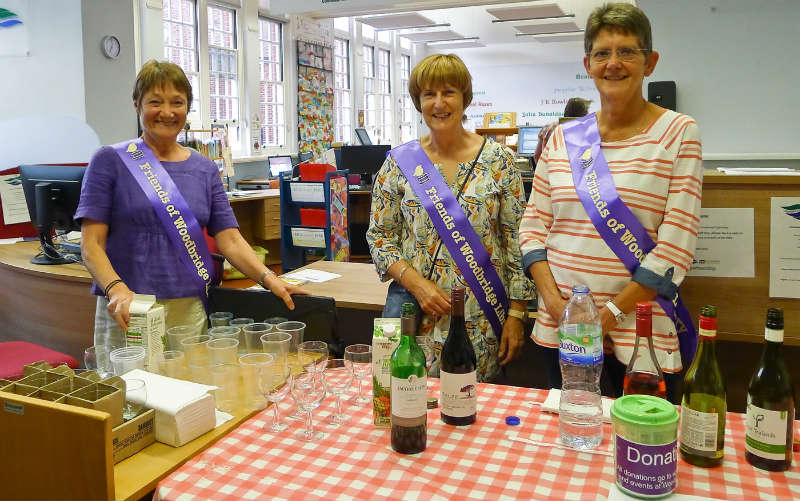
{"x":442,"y":107}
{"x":162,"y":112}
{"x":618,"y":79}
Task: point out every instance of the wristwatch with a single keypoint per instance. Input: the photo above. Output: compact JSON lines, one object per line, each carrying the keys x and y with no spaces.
{"x":618,"y":314}
{"x":520,"y":314}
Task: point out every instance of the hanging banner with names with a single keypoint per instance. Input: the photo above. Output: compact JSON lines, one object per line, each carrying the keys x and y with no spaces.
{"x":784,"y":247}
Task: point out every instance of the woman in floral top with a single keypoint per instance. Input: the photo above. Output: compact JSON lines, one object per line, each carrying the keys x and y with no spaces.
{"x":404,"y":243}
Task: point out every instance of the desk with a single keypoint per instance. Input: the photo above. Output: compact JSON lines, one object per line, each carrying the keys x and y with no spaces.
{"x":480,"y":462}
{"x":358,"y":288}
{"x":47,"y":305}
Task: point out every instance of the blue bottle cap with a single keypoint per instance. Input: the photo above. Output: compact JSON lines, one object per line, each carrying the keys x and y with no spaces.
{"x":512,"y":420}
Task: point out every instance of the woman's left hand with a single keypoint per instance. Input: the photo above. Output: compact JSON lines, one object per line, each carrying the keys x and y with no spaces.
{"x":512,"y":340}
{"x":283,"y":290}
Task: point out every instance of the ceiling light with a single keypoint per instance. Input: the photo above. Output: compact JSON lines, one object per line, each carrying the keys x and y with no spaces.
{"x":399,"y":21}
{"x":550,"y":33}
{"x":527,"y":11}
{"x":542,"y":28}
{"x":460,"y":45}
{"x":453,"y":41}
{"x":433,"y":36}
{"x":531,"y":18}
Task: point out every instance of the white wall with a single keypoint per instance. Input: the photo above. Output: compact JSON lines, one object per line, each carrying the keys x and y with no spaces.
{"x":734,"y":66}
{"x":50,"y":80}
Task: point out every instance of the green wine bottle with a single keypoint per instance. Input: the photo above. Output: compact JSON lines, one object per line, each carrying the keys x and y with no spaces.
{"x":409,"y":389}
{"x":704,"y":404}
{"x":770,"y":404}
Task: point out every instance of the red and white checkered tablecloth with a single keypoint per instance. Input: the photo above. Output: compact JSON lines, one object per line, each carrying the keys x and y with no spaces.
{"x":478,"y":462}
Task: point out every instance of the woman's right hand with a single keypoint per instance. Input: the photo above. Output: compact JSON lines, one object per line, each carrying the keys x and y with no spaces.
{"x":555,"y":307}
{"x":432,"y":299}
{"x":119,"y":304}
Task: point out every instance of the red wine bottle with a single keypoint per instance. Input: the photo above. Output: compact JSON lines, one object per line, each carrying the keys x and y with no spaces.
{"x":459,"y":381}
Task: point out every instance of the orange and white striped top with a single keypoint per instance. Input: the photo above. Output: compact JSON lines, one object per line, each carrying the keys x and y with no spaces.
{"x":658,"y":174}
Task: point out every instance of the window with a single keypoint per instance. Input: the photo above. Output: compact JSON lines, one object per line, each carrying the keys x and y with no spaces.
{"x":384,"y":99}
{"x":270,"y":94}
{"x":341,"y":23}
{"x":223,"y":85}
{"x":406,"y":105}
{"x":370,"y":106}
{"x":342,"y":95}
{"x":180,"y":45}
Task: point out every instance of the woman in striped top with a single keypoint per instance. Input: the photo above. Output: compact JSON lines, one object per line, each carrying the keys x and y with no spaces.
{"x":654,"y":156}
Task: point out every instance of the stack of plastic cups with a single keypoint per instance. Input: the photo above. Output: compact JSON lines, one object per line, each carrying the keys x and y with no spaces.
{"x":178,"y":333}
{"x":220,"y":318}
{"x":252,"y":335}
{"x":252,"y":365}
{"x":198,"y":358}
{"x":223,"y":350}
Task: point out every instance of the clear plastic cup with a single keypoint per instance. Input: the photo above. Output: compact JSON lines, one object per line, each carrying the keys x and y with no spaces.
{"x":223,"y":350}
{"x":196,"y":348}
{"x":241,"y":321}
{"x":296,"y":329}
{"x":252,"y":336}
{"x":172,"y":364}
{"x":226,"y":378}
{"x":200,"y":370}
{"x":178,"y":333}
{"x":251,"y":364}
{"x":276,"y":320}
{"x":220,"y":318}
{"x":124,"y":360}
{"x":231,"y":331}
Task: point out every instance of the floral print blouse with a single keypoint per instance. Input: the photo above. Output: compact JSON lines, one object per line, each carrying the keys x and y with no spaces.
{"x":493,"y":201}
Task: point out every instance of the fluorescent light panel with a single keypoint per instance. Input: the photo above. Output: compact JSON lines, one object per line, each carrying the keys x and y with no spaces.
{"x":456,"y":45}
{"x":433,"y":36}
{"x":398,"y":21}
{"x":526,"y":11}
{"x":536,"y":29}
{"x":559,"y":37}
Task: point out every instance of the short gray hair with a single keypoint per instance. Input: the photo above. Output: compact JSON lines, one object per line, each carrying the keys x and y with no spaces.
{"x":622,"y":17}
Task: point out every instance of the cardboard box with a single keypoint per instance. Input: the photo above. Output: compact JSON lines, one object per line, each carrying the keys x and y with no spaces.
{"x":146,"y":328}
{"x":383,"y":345}
{"x":101,"y":397}
{"x":132,"y":436}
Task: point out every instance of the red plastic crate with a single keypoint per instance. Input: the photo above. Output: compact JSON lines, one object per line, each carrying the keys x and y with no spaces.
{"x":313,"y":217}
{"x":315,"y":172}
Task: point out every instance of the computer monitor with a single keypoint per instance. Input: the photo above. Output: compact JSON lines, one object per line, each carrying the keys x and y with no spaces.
{"x":527,"y":140}
{"x":362,"y":136}
{"x":52,"y":193}
{"x":364,"y":160}
{"x":278,"y":164}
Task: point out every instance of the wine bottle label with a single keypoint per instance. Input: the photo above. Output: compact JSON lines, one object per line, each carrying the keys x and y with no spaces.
{"x":774,"y":335}
{"x":765,"y":432}
{"x":699,"y":430}
{"x":458,"y":394}
{"x":709,"y":333}
{"x":580,"y":343}
{"x":409,"y":396}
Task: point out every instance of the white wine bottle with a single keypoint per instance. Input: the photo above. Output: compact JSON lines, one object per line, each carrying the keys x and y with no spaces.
{"x":770,"y":404}
{"x":704,"y":405}
{"x":409,"y":388}
{"x":459,"y":381}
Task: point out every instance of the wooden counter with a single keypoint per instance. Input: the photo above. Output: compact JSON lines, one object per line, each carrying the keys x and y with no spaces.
{"x":742,"y":302}
{"x":47,"y":305}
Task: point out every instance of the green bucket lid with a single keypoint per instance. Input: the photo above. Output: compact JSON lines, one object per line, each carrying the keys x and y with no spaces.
{"x":644,"y":410}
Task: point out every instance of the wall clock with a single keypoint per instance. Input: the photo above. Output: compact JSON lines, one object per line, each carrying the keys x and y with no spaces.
{"x":111,"y":46}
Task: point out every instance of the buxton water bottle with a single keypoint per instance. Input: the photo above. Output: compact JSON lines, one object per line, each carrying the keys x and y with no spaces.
{"x":580,"y":349}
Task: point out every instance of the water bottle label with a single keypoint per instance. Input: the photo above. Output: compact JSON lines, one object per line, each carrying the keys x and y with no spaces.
{"x":580,"y":344}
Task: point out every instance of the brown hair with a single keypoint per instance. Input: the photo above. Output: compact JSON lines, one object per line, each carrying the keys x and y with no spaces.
{"x":577,"y":107}
{"x":622,"y":17}
{"x":157,"y":74}
{"x":440,"y":69}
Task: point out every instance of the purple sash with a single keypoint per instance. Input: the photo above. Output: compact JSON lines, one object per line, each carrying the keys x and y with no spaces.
{"x":615,"y":222}
{"x":172,"y":210}
{"x":456,"y":231}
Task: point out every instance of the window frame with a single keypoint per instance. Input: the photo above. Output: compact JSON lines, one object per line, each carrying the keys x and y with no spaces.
{"x":281,"y":126}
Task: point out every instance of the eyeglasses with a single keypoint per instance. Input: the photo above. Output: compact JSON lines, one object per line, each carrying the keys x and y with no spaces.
{"x":626,"y":54}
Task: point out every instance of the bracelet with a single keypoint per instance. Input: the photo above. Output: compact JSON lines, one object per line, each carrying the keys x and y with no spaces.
{"x":110,"y":285}
{"x":264,"y":277}
{"x":400,"y":276}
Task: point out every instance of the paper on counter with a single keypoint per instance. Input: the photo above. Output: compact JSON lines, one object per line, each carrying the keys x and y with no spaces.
{"x":15,"y":209}
{"x":167,"y":394}
{"x":554,"y":396}
{"x":316,"y":276}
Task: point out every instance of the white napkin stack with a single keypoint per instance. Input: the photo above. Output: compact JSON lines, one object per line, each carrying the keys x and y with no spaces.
{"x":184,"y":410}
{"x":554,"y":396}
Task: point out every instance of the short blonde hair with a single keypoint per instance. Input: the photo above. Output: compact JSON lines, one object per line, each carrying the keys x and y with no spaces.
{"x":440,"y":69}
{"x":157,"y":74}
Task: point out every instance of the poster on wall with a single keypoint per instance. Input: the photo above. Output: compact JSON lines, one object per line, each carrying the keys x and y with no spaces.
{"x":537,"y":93}
{"x":340,"y":241}
{"x":784,"y":247}
{"x":14,"y":23}
{"x":725,"y":244}
{"x":314,"y":97}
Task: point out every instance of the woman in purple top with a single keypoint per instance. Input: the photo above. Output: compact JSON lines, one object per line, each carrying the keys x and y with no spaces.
{"x":124,"y":245}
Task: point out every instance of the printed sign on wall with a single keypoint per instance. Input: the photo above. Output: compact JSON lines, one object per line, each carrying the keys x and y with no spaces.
{"x":14,"y":21}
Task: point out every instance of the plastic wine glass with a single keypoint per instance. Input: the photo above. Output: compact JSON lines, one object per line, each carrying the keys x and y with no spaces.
{"x":308,"y":390}
{"x":359,"y":357}
{"x":275,"y":380}
{"x":313,"y":356}
{"x":135,"y":398}
{"x":338,"y":377}
{"x":278,"y":344}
